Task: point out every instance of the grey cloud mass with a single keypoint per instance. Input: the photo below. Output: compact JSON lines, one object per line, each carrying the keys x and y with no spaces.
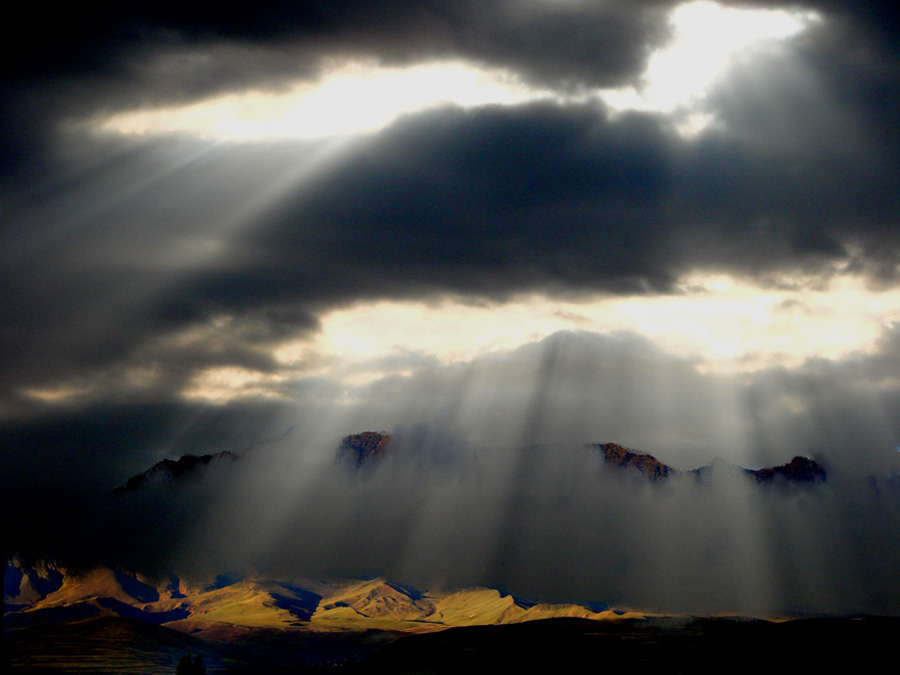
{"x":129,"y":267}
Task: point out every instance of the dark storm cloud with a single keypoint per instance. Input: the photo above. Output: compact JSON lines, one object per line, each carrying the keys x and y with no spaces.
{"x":98,"y":267}
{"x":75,"y":61}
{"x":595,"y":42}
{"x":492,"y":201}
{"x":550,"y":197}
{"x":108,"y":270}
{"x":879,"y":20}
{"x":817,"y":127}
{"x":167,"y":256}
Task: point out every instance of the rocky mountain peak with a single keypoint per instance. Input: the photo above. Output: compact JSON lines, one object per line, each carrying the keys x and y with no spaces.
{"x":642,"y":462}
{"x":799,"y":470}
{"x":364,"y":447}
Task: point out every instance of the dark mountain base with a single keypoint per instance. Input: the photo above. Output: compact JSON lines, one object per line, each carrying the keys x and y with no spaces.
{"x":121,"y":645}
{"x":104,"y":645}
{"x":655,"y":646}
{"x":118,"y":645}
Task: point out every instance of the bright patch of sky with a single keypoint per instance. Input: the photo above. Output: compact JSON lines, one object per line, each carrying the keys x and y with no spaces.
{"x":706,"y":37}
{"x":220,"y":384}
{"x":352,"y":98}
{"x":362,"y":97}
{"x":726,"y":325}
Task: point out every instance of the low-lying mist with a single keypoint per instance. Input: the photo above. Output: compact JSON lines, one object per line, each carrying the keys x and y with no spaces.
{"x":544,"y":521}
{"x":489,"y":479}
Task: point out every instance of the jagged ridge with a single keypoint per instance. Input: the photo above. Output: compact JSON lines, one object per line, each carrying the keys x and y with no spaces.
{"x":173,"y":469}
{"x":369,"y":446}
{"x":799,"y":470}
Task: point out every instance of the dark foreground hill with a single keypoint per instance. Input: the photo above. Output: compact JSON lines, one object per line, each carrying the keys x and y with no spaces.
{"x":676,"y":645}
{"x":643,"y":646}
{"x":119,"y":645}
{"x":104,"y":645}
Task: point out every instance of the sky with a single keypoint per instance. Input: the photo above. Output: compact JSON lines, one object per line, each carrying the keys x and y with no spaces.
{"x":520,"y":224}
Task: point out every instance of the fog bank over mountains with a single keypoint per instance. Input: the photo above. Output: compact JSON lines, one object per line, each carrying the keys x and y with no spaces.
{"x":559,"y":522}
{"x":478,"y":492}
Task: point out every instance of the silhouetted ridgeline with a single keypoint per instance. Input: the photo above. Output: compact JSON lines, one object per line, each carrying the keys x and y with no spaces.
{"x":173,"y":469}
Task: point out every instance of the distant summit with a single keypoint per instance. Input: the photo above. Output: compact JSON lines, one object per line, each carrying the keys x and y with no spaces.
{"x":798,"y":470}
{"x":364,"y":447}
{"x":358,"y":448}
{"x":641,"y":462}
{"x":173,"y":469}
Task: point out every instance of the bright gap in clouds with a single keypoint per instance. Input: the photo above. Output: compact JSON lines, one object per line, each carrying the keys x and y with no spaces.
{"x":352,"y":98}
{"x":707,"y":36}
{"x":724,"y":324}
{"x":359,"y":97}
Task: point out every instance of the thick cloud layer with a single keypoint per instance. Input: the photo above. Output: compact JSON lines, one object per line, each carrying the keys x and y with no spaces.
{"x":105,"y":271}
{"x":82,"y":59}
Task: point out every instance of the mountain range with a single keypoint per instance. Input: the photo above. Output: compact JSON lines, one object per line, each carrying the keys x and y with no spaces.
{"x":109,"y":621}
{"x":368,"y":447}
{"x":799,"y":470}
{"x":48,"y":593}
{"x":306,"y":621}
{"x":237,"y":624}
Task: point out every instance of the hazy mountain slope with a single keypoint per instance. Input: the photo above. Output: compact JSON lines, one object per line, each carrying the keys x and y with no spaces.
{"x":543,"y":610}
{"x":368,"y":447}
{"x":379,"y":598}
{"x":100,"y":582}
{"x":375,"y":604}
{"x":363,"y":447}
